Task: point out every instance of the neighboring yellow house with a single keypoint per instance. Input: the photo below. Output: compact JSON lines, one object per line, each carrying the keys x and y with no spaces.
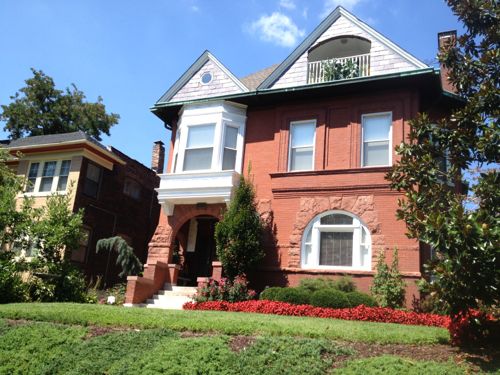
{"x":115,"y":191}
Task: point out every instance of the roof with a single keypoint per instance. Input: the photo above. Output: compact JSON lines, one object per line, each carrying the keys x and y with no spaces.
{"x":252,"y":81}
{"x":51,"y":139}
{"x":38,"y":141}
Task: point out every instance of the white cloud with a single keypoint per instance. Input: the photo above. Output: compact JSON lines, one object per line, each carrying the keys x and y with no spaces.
{"x":288,"y":4}
{"x":305,"y":12}
{"x":330,"y":5}
{"x":195,"y":8}
{"x":277,"y":28}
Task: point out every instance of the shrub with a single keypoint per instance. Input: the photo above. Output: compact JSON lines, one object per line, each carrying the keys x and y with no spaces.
{"x":358,"y":298}
{"x":296,"y":296}
{"x":388,"y":287}
{"x":329,"y":298}
{"x":270,"y":293}
{"x":345,"y":284}
{"x":12,"y":288}
{"x":126,"y":259}
{"x":238,"y":236}
{"x":225,"y":290}
{"x":313,"y":285}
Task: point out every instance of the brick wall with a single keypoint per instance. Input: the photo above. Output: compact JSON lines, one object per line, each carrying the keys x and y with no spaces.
{"x":113,"y":213}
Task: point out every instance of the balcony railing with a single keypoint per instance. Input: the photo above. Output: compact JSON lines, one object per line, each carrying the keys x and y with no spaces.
{"x":317,"y":70}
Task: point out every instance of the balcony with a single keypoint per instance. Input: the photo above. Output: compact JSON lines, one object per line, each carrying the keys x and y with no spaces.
{"x":338,"y":68}
{"x":192,"y":188}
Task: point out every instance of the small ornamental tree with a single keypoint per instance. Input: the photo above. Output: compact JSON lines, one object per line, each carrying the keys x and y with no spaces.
{"x":127,"y":260}
{"x":388,"y":287}
{"x":238,"y":236}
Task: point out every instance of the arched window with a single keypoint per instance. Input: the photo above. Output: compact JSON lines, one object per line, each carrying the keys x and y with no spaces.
{"x":336,"y":240}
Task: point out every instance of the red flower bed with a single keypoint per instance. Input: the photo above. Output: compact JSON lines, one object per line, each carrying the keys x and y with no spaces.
{"x":361,"y":313}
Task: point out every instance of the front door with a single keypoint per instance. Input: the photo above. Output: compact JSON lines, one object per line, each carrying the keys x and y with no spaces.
{"x":199,"y":262}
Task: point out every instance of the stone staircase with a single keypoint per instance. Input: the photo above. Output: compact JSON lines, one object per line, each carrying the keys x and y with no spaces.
{"x":171,"y":297}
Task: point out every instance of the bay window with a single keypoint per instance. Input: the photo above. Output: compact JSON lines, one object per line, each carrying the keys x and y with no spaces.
{"x":230,"y":148}
{"x":301,"y":155}
{"x":377,"y":145}
{"x":336,"y":240}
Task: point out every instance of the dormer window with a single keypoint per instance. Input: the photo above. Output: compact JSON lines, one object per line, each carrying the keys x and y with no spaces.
{"x":337,"y":58}
{"x":209,"y":138}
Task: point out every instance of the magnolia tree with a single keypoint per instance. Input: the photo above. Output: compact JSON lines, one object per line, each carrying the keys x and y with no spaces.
{"x":465,"y":239}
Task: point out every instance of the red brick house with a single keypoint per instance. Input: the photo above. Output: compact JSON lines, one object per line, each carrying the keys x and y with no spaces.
{"x":319,"y":142}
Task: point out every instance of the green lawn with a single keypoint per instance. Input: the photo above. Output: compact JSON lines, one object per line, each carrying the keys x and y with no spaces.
{"x":225,"y":323}
{"x":93,"y":339}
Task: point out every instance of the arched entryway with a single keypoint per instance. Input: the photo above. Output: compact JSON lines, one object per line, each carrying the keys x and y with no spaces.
{"x":194,"y":249}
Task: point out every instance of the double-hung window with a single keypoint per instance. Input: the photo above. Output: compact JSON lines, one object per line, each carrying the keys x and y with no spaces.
{"x":336,"y":240}
{"x":199,"y":147}
{"x":48,"y":176}
{"x":377,"y":139}
{"x":92,"y":180}
{"x":230,"y":148}
{"x":301,"y":155}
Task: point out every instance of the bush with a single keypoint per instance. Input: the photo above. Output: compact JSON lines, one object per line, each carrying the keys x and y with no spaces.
{"x":345,"y":284}
{"x":296,"y":296}
{"x":12,"y":288}
{"x":388,"y":287}
{"x":330,"y":298}
{"x":358,"y":298}
{"x":270,"y":293}
{"x":225,"y":290}
{"x":320,"y":283}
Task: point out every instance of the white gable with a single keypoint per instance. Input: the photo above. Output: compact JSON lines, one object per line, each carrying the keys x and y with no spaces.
{"x":385,"y":57}
{"x":191,"y":87}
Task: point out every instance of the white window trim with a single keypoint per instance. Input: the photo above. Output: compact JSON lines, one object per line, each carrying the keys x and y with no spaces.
{"x":55,"y":179}
{"x":363,"y":139}
{"x":290,"y":144}
{"x":216,"y":114}
{"x":317,"y":228}
{"x":184,"y":139}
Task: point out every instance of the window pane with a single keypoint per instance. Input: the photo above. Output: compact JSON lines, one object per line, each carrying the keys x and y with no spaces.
{"x":64,"y":170}
{"x":33,"y":170}
{"x":231,"y":137}
{"x":336,"y":219}
{"x":229,"y":159}
{"x":308,"y":255}
{"x":376,"y":128}
{"x":302,"y":134}
{"x":301,"y":159}
{"x":61,"y":184}
{"x":376,"y":153}
{"x":46,"y":184}
{"x":200,"y":136}
{"x":198,"y":159}
{"x":49,"y":169}
{"x":93,"y":172}
{"x":336,"y":249}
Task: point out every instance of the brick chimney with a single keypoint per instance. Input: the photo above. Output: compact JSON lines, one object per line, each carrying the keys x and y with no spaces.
{"x":446,"y":39}
{"x":158,"y":157}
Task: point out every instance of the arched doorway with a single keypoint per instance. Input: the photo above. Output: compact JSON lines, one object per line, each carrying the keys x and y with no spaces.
{"x":195,"y":249}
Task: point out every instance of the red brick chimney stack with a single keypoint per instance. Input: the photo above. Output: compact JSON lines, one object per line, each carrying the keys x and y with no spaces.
{"x":446,"y":39}
{"x":158,"y":157}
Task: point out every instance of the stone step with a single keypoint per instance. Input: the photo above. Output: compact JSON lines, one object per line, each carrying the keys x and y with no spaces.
{"x":167,"y":302}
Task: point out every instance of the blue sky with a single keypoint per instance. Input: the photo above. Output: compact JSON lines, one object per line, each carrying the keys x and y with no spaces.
{"x":130,"y":52}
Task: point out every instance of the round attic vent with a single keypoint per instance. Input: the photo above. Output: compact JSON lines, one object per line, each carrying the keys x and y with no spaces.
{"x":206,"y":78}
